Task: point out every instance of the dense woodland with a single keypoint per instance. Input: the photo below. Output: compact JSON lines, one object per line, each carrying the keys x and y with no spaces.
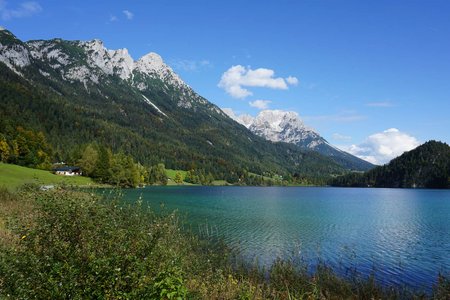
{"x":31,"y":149}
{"x":427,"y":166}
{"x":25,"y":148}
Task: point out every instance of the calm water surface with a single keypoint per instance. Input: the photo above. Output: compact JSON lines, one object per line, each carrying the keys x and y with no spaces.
{"x":402,"y":234}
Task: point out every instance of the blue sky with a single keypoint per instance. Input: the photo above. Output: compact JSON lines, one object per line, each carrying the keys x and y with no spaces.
{"x":363,"y":67}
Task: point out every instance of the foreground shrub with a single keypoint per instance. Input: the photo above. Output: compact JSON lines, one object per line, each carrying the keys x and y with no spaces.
{"x":81,"y":247}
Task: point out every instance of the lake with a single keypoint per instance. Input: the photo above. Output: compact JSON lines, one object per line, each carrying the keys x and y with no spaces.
{"x":401,"y":234}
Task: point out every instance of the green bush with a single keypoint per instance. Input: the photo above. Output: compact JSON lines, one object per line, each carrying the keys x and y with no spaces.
{"x":169,"y":284}
{"x":82,"y":247}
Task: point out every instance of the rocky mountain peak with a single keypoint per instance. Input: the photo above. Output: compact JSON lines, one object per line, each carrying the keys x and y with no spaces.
{"x":277,"y":120}
{"x":288,"y":127}
{"x":280,"y":126}
{"x":93,"y":63}
{"x":150,"y":62}
{"x":95,"y":44}
{"x":153,"y":64}
{"x":111,"y":62}
{"x":13,"y":52}
{"x":246,"y":120}
{"x":119,"y":62}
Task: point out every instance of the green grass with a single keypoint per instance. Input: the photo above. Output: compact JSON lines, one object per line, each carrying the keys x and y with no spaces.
{"x":13,"y":176}
{"x":275,"y":177}
{"x":171,"y":176}
{"x":171,"y":173}
{"x":220,"y":182}
{"x":171,"y":182}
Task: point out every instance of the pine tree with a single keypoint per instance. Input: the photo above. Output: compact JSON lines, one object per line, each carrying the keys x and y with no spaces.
{"x":103,"y":166}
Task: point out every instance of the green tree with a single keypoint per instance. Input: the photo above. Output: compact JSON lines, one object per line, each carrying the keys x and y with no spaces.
{"x":4,"y":149}
{"x":103,"y":166}
{"x":43,"y":151}
{"x":131,"y":172}
{"x":88,"y":160}
{"x":178,"y":178}
{"x":124,"y":171}
{"x":14,"y":154}
{"x":143,"y":173}
{"x":29,"y":148}
{"x":162,"y":175}
{"x":157,"y":175}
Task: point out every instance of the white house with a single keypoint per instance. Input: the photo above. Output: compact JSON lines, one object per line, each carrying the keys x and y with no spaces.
{"x":68,"y":171}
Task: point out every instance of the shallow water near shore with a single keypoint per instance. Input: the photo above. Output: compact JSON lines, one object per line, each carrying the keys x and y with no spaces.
{"x":403,"y":235}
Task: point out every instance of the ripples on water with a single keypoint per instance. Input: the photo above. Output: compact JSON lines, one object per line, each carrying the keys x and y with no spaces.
{"x":401,"y":234}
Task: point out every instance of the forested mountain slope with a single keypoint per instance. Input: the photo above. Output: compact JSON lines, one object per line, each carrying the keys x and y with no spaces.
{"x":79,"y":92}
{"x":427,"y":166}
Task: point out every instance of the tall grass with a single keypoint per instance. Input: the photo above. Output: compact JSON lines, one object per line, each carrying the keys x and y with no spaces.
{"x":75,"y":245}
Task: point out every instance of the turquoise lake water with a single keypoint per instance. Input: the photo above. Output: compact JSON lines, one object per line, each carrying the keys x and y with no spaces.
{"x":401,"y":234}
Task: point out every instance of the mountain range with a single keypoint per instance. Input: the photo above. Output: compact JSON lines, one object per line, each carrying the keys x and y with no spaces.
{"x":286,"y":126}
{"x":77,"y":92}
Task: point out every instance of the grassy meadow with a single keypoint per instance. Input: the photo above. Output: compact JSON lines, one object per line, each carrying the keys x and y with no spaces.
{"x":13,"y":176}
{"x":172,"y":173}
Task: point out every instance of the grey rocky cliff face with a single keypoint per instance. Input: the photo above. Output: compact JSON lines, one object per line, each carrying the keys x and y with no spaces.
{"x":282,"y":126}
{"x":92,"y":64}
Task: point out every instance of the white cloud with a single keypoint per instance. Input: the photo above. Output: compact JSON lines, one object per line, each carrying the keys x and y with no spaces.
{"x":260,"y":104}
{"x":25,"y":9}
{"x":243,"y":119}
{"x":341,"y":137}
{"x":128,"y":14}
{"x":380,"y":104}
{"x":230,"y":112}
{"x":237,"y":77}
{"x":113,"y":18}
{"x":292,"y":80}
{"x":380,"y":148}
{"x":189,"y":65}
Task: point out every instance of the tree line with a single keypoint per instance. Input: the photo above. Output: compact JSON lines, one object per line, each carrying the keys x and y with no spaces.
{"x":120,"y":169}
{"x":427,"y":166}
{"x":25,"y":148}
{"x":30,"y":148}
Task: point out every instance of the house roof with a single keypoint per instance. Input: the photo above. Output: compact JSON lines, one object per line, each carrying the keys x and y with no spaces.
{"x":65,"y":169}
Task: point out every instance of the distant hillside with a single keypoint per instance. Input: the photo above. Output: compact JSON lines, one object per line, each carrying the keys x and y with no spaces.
{"x":427,"y":166}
